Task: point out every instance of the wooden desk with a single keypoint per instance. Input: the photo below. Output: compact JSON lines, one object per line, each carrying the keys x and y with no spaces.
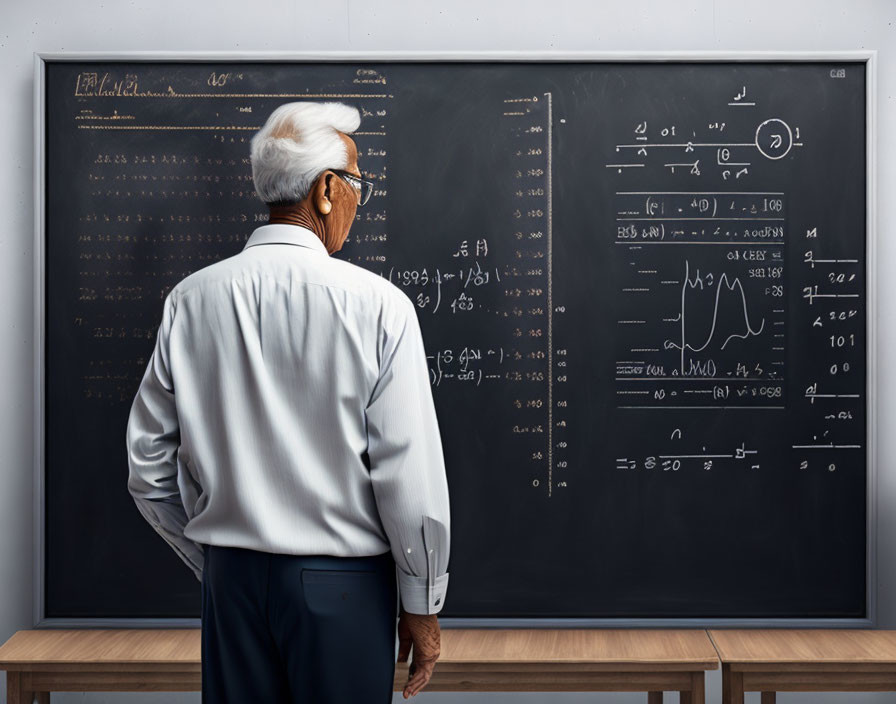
{"x":804,"y":660}
{"x":122,"y":660}
{"x":472,"y":660}
{"x":572,"y":660}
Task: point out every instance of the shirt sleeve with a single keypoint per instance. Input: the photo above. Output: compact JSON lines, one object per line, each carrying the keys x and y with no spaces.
{"x":153,"y":439}
{"x":407,"y":468}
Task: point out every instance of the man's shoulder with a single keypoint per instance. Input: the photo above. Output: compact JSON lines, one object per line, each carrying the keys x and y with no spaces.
{"x":222,"y":268}
{"x":367,"y":282}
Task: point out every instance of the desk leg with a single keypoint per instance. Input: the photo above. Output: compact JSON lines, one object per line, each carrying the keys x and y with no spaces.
{"x":726,"y":676}
{"x":654,"y":698}
{"x":732,"y":686}
{"x":697,"y":695}
{"x":768,"y":698}
{"x":13,"y":687}
{"x":17,"y":694}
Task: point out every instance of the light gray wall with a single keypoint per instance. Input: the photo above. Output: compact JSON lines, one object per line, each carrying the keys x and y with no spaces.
{"x":517,"y":25}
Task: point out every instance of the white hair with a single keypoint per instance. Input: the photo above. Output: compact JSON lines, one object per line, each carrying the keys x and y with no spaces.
{"x":298,"y":142}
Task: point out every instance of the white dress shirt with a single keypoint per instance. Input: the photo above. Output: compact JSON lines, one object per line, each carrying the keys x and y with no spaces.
{"x":287,"y":408}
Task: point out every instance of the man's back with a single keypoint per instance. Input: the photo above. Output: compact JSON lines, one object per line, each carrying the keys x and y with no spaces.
{"x":274,"y":354}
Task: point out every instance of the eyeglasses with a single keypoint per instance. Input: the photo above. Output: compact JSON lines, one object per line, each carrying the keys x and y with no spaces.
{"x":363,"y":187}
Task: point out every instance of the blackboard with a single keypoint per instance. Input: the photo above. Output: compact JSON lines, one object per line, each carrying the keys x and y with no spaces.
{"x":642,"y":288}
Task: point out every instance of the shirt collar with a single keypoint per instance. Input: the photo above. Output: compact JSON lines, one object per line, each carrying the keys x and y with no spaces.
{"x":285,"y":233}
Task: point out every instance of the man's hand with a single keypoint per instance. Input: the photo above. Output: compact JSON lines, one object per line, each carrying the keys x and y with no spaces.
{"x":423,"y":631}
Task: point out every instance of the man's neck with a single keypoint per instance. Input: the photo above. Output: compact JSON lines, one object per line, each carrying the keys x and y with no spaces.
{"x":296,"y":215}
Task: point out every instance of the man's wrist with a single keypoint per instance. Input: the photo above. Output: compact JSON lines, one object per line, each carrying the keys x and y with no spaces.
{"x":416,"y":595}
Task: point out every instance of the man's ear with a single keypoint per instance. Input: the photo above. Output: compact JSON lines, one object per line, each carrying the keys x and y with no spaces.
{"x":322,"y":193}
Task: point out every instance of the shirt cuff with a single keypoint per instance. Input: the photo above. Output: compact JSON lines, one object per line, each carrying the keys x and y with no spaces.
{"x":417,"y":597}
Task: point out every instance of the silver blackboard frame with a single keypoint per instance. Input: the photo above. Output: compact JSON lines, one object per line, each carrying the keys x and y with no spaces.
{"x":868,"y":56}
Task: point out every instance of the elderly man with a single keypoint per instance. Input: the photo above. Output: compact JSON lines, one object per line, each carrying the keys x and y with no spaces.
{"x":284,"y":442}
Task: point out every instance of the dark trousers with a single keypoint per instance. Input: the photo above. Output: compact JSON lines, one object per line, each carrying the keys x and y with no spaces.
{"x":309,"y":629}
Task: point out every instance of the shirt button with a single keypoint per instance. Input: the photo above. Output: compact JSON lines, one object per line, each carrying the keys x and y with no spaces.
{"x":409,"y":549}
